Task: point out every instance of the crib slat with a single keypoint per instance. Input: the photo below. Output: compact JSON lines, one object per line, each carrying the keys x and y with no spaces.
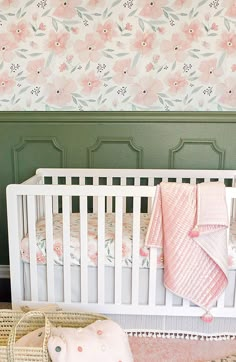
{"x":221,"y":301}
{"x":101,"y":249}
{"x":95,"y":199}
{"x":186,"y":303}
{"x":207,"y":179}
{"x":55,"y":198}
{"x":32,"y":245}
{"x":150,"y":183}
{"x":123,"y":183}
{"x":169,"y":298}
{"x":84,"y":248}
{"x":49,"y":241}
{"x":66,"y":248}
{"x":135,"y":251}
{"x":193,"y":181}
{"x":152,"y":277}
{"x":118,"y":248}
{"x":109,"y":198}
{"x":69,"y":182}
{"x":179,"y":180}
{"x":25,"y":212}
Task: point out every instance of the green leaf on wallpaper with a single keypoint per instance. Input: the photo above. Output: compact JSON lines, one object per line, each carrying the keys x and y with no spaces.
{"x":177,"y":100}
{"x":74,"y":100}
{"x":219,"y":12}
{"x":73,"y":69}
{"x":107,"y":55}
{"x":18,"y":13}
{"x":183,"y":14}
{"x":190,"y":100}
{"x":97,"y":14}
{"x":35,"y":54}
{"x":40,"y":34}
{"x":92,"y":100}
{"x":196,"y":14}
{"x":193,"y":55}
{"x":89,"y":17}
{"x":206,"y":28}
{"x":83,"y":102}
{"x":141,"y":24}
{"x":29,"y":3}
{"x":195,"y":90}
{"x":115,"y":3}
{"x":167,"y":9}
{"x":21,"y":55}
{"x":80,"y":8}
{"x":47,"y":108}
{"x":104,"y":100}
{"x":135,"y":60}
{"x":132,"y":12}
{"x":1,"y":65}
{"x":87,"y":66}
{"x":195,"y":50}
{"x":107,"y":78}
{"x":10,"y":14}
{"x":191,"y":13}
{"x":3,"y":17}
{"x":121,"y":54}
{"x":212,"y":99}
{"x":126,"y":34}
{"x":201,"y":3}
{"x":54,"y":23}
{"x":212,"y":34}
{"x":24,"y":89}
{"x":109,"y":15}
{"x":100,"y":98}
{"x":126,"y":99}
{"x":166,"y":14}
{"x":46,"y":12}
{"x":169,"y":102}
{"x":134,"y":107}
{"x":173,"y":66}
{"x":76,"y":95}
{"x":49,"y":59}
{"x":105,"y":13}
{"x":5,"y":100}
{"x":207,"y":54}
{"x":227,"y":24}
{"x":109,"y":90}
{"x":39,"y":100}
{"x":161,"y":100}
{"x":23,"y":14}
{"x":120,"y":28}
{"x":221,"y":59}
{"x":219,"y":107}
{"x":163,"y":95}
{"x":175,"y":17}
{"x":110,"y":50}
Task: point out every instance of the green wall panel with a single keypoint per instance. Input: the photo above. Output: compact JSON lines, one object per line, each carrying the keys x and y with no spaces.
{"x":31,"y":140}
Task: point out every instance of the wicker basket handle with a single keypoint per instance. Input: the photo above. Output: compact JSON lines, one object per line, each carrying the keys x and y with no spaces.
{"x":13,"y":333}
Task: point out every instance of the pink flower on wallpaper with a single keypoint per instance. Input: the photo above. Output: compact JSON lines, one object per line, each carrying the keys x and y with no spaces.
{"x":227,"y":92}
{"x":42,"y":26}
{"x":107,"y":31}
{"x":90,"y":48}
{"x":20,"y":31}
{"x":179,"y":4}
{"x":193,"y":31}
{"x":7,"y":47}
{"x":57,"y":42}
{"x":228,"y":42}
{"x":152,"y":8}
{"x":146,"y":91}
{"x":91,"y":83}
{"x":214,"y":26}
{"x":57,"y":247}
{"x":177,"y":83}
{"x":37,"y":73}
{"x":93,"y":4}
{"x":59,"y":92}
{"x":125,"y":250}
{"x":62,"y":67}
{"x":124,"y":72}
{"x":128,"y":27}
{"x":233,"y":68}
{"x":231,"y":8}
{"x":210,"y":72}
{"x":65,"y":8}
{"x":7,"y":4}
{"x":40,"y":258}
{"x":6,"y":83}
{"x":144,"y":43}
{"x":176,"y":48}
{"x":149,"y":67}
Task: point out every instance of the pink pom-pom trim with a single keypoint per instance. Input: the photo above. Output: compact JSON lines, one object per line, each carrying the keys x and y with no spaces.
{"x":194,"y":233}
{"x":207,"y":318}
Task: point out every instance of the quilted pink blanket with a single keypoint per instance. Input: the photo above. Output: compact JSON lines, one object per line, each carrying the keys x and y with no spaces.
{"x":190,"y":222}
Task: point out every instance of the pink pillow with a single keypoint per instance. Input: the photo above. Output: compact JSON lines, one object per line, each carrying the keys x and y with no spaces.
{"x":103,"y":341}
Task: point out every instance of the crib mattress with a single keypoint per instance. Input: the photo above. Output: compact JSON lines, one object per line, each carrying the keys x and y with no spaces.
{"x":109,"y":241}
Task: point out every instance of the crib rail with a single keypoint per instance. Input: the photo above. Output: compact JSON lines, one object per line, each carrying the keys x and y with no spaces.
{"x":21,"y":221}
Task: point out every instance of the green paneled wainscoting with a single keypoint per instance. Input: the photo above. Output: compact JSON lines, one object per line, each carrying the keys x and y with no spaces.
{"x":31,"y":140}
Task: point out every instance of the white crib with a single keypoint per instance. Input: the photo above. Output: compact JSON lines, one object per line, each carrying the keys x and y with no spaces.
{"x":131,"y":294}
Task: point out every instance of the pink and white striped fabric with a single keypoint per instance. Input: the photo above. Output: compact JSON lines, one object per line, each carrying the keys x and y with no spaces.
{"x":189,"y":222}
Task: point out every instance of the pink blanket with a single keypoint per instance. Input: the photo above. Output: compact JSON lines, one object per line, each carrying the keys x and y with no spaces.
{"x":189,"y":222}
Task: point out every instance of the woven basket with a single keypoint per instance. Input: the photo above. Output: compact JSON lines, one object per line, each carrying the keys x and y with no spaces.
{"x":15,"y":324}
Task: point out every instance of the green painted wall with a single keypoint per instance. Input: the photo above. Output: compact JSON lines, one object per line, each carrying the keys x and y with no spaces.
{"x":30,"y":140}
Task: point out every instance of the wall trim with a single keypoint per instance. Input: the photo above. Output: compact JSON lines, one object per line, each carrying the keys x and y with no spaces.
{"x":4,"y":272}
{"x":116,"y":117}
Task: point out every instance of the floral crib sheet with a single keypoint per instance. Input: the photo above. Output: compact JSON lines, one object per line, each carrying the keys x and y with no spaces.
{"x":109,"y":242}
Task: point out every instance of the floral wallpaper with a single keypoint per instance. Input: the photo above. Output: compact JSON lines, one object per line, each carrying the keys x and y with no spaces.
{"x":155,"y":55}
